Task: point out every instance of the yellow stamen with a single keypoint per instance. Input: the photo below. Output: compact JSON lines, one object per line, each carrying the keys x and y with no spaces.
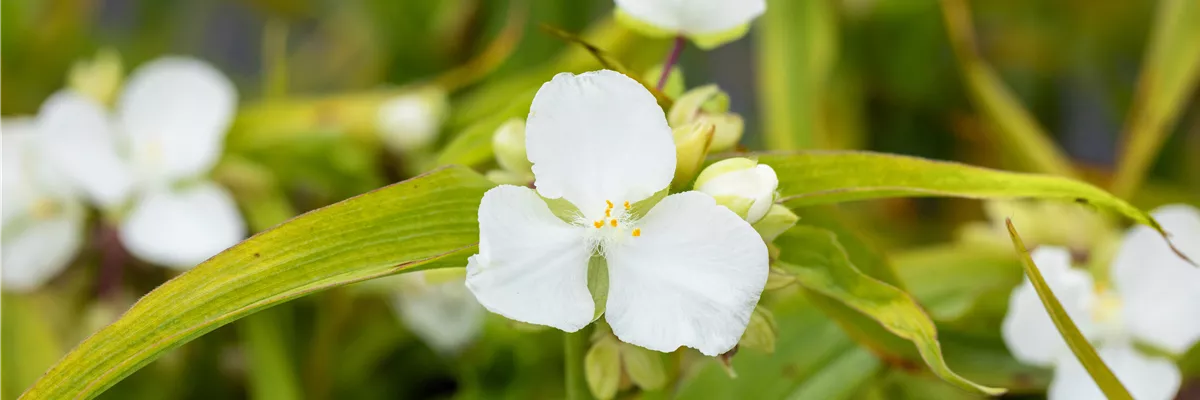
{"x":599,"y":224}
{"x":637,"y":232}
{"x":627,"y":205}
{"x":610,"y":206}
{"x":614,"y":222}
{"x":608,"y":213}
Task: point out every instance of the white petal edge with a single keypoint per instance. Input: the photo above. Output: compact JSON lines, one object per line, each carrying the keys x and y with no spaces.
{"x":77,"y":137}
{"x":531,"y":266}
{"x":182,"y":228}
{"x":40,"y":249}
{"x":175,"y":112}
{"x":1145,"y":377}
{"x":1161,"y":292}
{"x":598,"y":136}
{"x":692,"y":277}
{"x":694,"y":17}
{"x":1027,"y":329}
{"x":758,"y":183}
{"x":444,"y":315}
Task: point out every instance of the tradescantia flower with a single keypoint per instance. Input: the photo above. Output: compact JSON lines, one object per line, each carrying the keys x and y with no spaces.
{"x":1154,"y":301}
{"x":709,"y":23}
{"x":43,"y":216}
{"x":166,"y":133}
{"x":440,"y":310}
{"x":686,"y":273}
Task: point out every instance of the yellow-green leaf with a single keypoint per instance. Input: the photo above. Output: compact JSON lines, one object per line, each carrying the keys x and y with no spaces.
{"x":422,"y":223}
{"x":1108,"y":383}
{"x":796,"y":50}
{"x":821,"y":265}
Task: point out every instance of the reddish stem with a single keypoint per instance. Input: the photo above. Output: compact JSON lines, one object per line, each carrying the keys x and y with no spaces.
{"x":672,"y":58}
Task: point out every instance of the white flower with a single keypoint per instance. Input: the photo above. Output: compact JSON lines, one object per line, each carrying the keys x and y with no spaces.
{"x":411,"y":121}
{"x":742,"y":184}
{"x":1154,"y":300}
{"x":166,"y":133}
{"x":709,"y":23}
{"x":443,"y":314}
{"x":687,"y":273}
{"x":43,"y":218}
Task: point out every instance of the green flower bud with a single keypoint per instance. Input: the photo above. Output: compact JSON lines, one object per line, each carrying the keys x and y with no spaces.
{"x":728,"y":130}
{"x":709,"y":103}
{"x":777,"y":221}
{"x":761,"y":332}
{"x":674,"y":86}
{"x":97,"y":78}
{"x":644,"y":367}
{"x":509,"y":145}
{"x":602,"y":367}
{"x":412,"y":121}
{"x":743,"y":185}
{"x":691,"y":146}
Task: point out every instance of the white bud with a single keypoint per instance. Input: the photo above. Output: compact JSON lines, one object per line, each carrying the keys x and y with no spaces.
{"x":411,"y":121}
{"x":509,"y":145}
{"x":742,"y":185}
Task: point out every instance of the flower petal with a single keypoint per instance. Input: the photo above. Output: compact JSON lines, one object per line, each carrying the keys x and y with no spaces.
{"x":1146,"y":378}
{"x":691,"y":278}
{"x":598,"y":136}
{"x":1160,"y":291}
{"x":444,"y":315}
{"x":40,"y":248}
{"x":180,"y":229}
{"x":79,"y":140}
{"x":1027,"y":328}
{"x":695,"y":17}
{"x":175,"y":112}
{"x":531,"y":266}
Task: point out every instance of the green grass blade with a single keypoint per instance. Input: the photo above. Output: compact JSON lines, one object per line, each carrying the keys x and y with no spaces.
{"x":1169,"y":76}
{"x":796,"y":50}
{"x":1083,"y":350}
{"x":426,"y":222}
{"x":821,"y":265}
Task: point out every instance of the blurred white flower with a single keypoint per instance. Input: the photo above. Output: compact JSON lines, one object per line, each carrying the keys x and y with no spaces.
{"x":43,"y":218}
{"x":687,"y":273}
{"x":709,"y":23}
{"x":1154,"y":300}
{"x":411,"y":121}
{"x":443,"y":313}
{"x":167,"y":132}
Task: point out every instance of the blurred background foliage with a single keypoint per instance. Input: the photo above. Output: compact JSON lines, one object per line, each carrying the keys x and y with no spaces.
{"x":886,"y":75}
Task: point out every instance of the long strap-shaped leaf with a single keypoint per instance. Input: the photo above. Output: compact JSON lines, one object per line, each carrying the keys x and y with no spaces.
{"x":425,"y":222}
{"x":1108,"y":383}
{"x":825,"y":177}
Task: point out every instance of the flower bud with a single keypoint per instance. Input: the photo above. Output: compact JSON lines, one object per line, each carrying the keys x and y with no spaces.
{"x":742,"y":185}
{"x":709,"y":103}
{"x":97,"y":78}
{"x":777,"y":221}
{"x":674,"y":86}
{"x":411,"y":121}
{"x":691,"y":146}
{"x":509,"y":145}
{"x":602,"y":368}
{"x":644,"y":367}
{"x":761,"y":332}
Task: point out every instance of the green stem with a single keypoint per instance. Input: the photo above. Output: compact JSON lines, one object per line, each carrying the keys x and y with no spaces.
{"x":575,"y":347}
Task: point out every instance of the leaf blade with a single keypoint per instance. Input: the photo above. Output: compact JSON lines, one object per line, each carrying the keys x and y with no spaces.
{"x":318,"y":250}
{"x":1104,"y":378}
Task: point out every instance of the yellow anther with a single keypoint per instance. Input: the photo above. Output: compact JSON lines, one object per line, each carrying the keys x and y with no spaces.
{"x":613,"y":222}
{"x":627,"y":205}
{"x":599,"y":224}
{"x":637,"y":232}
{"x":608,"y":213}
{"x":610,"y":206}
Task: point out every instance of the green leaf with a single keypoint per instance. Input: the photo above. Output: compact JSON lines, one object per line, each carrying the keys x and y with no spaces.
{"x":1108,"y":383}
{"x":1169,"y":76}
{"x":796,"y":47}
{"x":473,"y":146}
{"x":1017,"y":130}
{"x":30,"y":341}
{"x":822,"y":266}
{"x":825,"y":177}
{"x":271,"y":367}
{"x":426,"y":222}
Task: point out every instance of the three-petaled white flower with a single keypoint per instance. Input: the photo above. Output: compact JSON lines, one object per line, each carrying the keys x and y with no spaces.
{"x":709,"y":23}
{"x":43,"y":214}
{"x":1155,"y":300}
{"x":687,"y":273}
{"x":168,"y":130}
